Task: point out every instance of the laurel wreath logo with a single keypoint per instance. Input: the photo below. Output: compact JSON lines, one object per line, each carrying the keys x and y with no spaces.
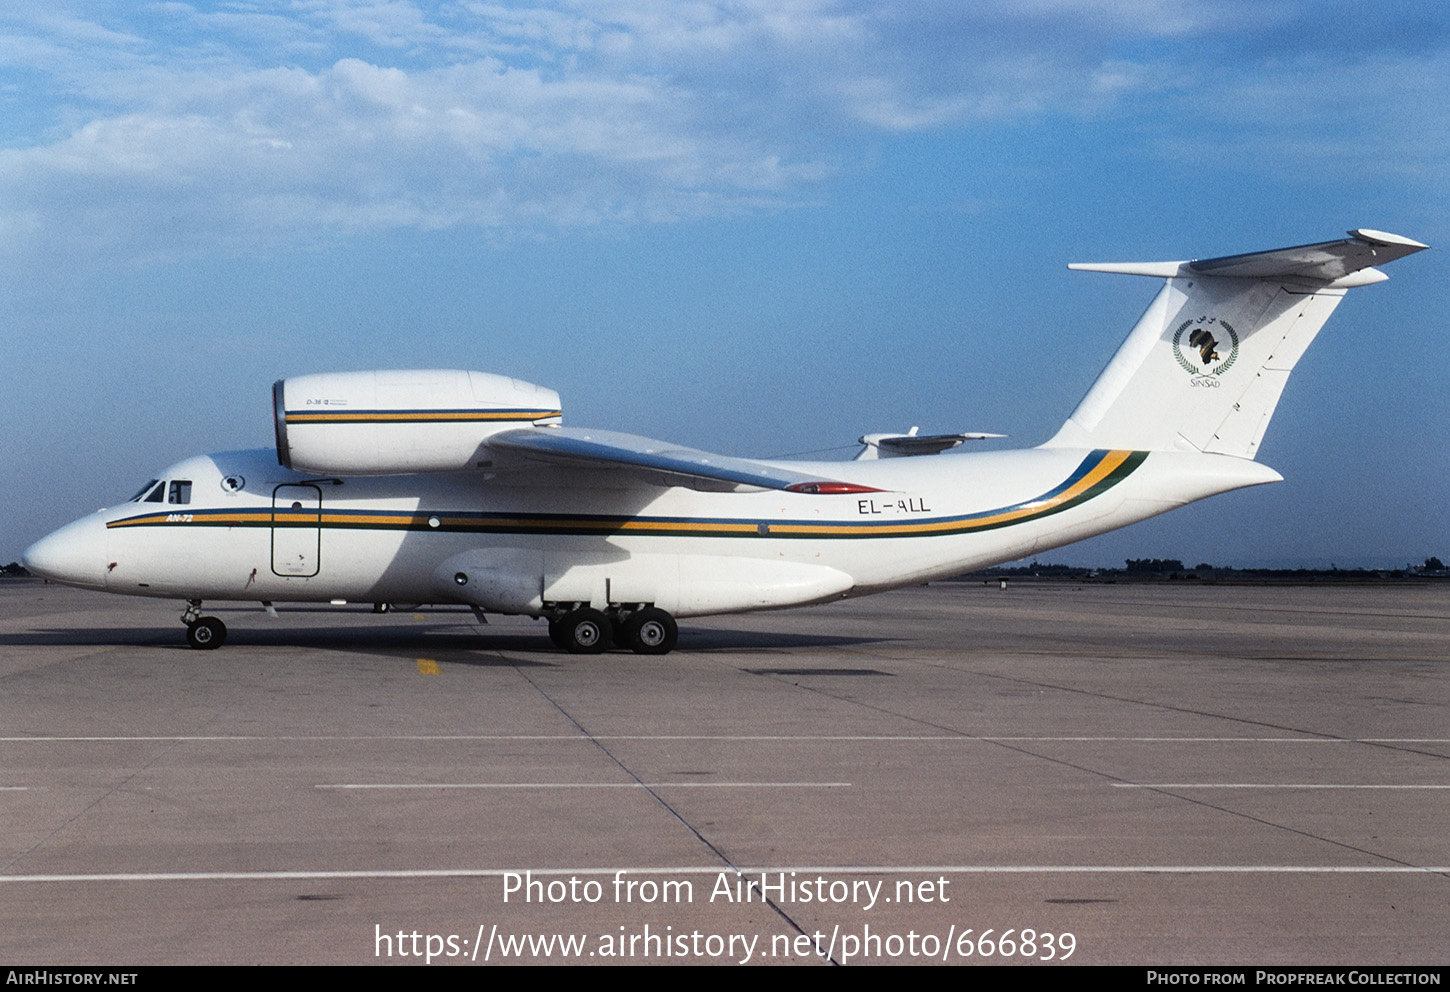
{"x":1199,"y":371}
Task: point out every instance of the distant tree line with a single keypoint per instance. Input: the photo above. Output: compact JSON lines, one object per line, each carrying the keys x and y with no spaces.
{"x":1157,"y":565}
{"x":1173,"y":568}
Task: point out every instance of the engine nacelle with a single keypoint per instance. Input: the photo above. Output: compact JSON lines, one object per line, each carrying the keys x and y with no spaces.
{"x":397,"y":423}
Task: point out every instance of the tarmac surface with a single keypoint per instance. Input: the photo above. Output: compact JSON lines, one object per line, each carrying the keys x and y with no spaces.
{"x":1135,"y":774}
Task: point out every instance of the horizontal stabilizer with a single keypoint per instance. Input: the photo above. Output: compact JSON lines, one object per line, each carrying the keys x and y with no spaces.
{"x":1338,"y":264}
{"x":912,"y":443}
{"x":673,"y":464}
{"x":1329,"y":260}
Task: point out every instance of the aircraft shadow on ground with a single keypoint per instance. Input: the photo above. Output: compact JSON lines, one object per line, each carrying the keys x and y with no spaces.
{"x":461,"y":647}
{"x":766,"y":640}
{"x":451,"y":647}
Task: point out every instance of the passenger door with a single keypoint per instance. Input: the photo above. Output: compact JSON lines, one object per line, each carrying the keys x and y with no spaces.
{"x":296,"y":530}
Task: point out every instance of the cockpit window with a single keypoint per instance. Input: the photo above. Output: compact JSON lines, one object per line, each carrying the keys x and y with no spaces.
{"x":156,"y":495}
{"x":180,"y":491}
{"x":143,"y":491}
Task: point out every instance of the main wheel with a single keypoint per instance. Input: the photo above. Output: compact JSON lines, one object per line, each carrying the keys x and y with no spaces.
{"x":206,"y":634}
{"x":651,"y":631}
{"x":584,"y":631}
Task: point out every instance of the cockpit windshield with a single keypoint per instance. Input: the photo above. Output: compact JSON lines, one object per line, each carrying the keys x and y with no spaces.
{"x":162,"y":491}
{"x":143,"y":491}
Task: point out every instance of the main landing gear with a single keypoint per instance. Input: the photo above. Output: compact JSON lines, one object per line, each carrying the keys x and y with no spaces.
{"x":585,"y":630}
{"x":203,"y":633}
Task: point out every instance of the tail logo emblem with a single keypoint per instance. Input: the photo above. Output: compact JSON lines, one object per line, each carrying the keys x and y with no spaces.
{"x":1204,"y":358}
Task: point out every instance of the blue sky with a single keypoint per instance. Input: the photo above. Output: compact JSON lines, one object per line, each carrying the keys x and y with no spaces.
{"x":754,"y":227}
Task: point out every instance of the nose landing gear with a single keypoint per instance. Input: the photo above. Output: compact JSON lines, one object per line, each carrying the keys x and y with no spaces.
{"x":203,"y":633}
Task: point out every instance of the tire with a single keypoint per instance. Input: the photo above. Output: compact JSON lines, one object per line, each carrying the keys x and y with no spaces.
{"x":651,"y":631}
{"x":584,"y":631}
{"x":206,"y":634}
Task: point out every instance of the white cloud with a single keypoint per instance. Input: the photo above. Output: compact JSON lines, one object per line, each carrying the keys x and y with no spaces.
{"x":386,"y":23}
{"x":360,"y":146}
{"x":173,"y":127}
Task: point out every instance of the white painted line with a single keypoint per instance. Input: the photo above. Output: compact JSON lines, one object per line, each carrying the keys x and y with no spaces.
{"x":909,"y":738}
{"x":320,"y":738}
{"x":1264,"y":785}
{"x":587,"y":785}
{"x":848,"y":870}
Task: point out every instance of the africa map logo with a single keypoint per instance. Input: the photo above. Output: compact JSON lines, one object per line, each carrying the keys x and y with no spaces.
{"x":1205,"y":358}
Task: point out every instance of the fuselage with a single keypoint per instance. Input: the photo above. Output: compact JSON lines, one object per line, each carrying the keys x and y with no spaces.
{"x":447,"y":485}
{"x":238,"y":526}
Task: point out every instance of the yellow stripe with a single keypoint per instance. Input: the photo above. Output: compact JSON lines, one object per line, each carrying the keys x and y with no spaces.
{"x":400,"y":416}
{"x":1109,"y":464}
{"x":358,"y":518}
{"x":427,"y":666}
{"x":655,"y":525}
{"x":1102,"y":470}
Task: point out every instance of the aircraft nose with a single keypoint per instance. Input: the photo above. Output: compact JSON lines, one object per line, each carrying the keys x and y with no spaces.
{"x":74,"y":555}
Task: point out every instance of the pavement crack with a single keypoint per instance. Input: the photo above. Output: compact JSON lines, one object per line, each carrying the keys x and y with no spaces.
{"x":64,"y":824}
{"x":725,"y":859}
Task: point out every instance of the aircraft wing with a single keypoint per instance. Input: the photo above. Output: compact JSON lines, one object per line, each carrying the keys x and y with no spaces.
{"x":659,"y":460}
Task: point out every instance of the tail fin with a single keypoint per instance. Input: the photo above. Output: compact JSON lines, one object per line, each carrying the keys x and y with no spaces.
{"x":1206,"y":364}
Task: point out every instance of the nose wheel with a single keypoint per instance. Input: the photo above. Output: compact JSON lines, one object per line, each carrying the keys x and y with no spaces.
{"x":207,"y":634}
{"x":203,"y":633}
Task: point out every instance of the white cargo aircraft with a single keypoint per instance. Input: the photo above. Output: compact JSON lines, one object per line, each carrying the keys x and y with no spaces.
{"x":462,"y":487}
